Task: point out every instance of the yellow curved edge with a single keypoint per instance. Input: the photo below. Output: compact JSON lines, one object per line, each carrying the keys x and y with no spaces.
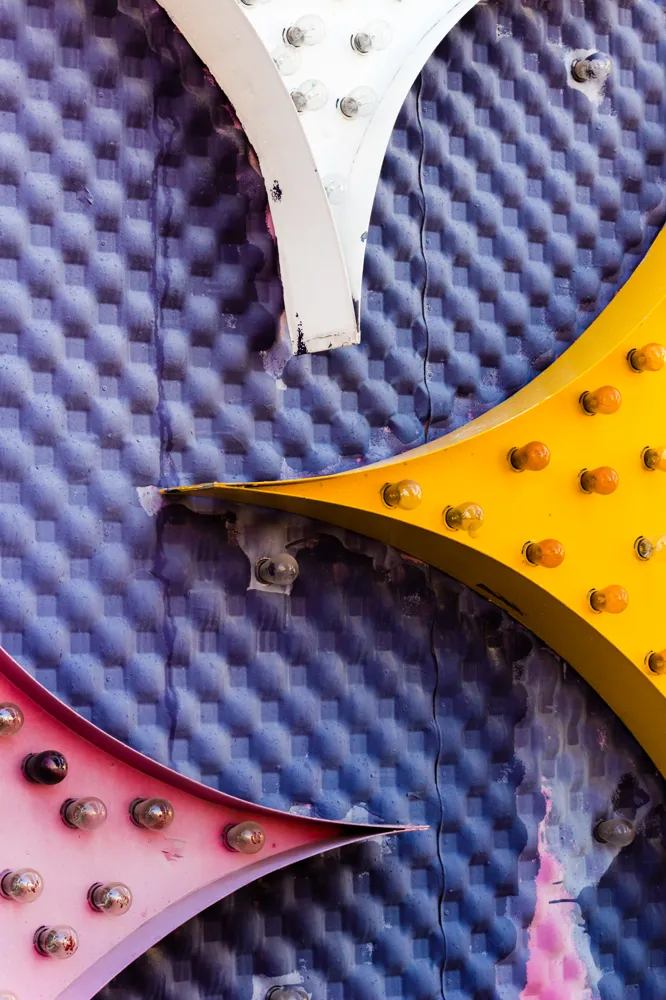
{"x":598,"y":532}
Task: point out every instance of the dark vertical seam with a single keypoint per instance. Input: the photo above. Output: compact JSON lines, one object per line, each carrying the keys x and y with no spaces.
{"x":426,"y":353}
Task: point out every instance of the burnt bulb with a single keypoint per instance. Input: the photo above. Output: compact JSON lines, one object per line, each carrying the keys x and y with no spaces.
{"x":113,"y":899}
{"x":46,"y":768}
{"x":152,"y":814}
{"x":56,"y":942}
{"x":23,"y":885}
{"x":83,"y":814}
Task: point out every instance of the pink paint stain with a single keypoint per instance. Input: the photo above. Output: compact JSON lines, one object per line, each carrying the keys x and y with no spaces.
{"x":554,"y":969}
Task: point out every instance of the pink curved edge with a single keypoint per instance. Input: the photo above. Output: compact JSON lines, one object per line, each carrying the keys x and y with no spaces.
{"x":92,"y":734}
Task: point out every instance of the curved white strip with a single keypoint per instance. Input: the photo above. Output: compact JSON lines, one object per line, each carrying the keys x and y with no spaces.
{"x":321,"y":245}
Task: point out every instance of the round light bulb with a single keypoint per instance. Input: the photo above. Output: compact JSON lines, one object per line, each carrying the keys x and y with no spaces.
{"x":618,"y":832}
{"x":532,"y":457}
{"x":113,"y":899}
{"x":464,"y":517}
{"x":657,"y":662}
{"x":152,"y":814}
{"x":647,"y":548}
{"x":374,"y":37}
{"x":310,"y":96}
{"x":597,"y":66}
{"x":4,"y":995}
{"x":308,"y":30}
{"x":246,"y":838}
{"x":405,"y":494}
{"x":603,"y":481}
{"x":548,"y":553}
{"x":11,"y":719}
{"x":359,"y":103}
{"x":286,"y":59}
{"x":83,"y":814}
{"x":56,"y":942}
{"x":285,"y":993}
{"x":277,"y":571}
{"x":650,"y":358}
{"x":607,"y":400}
{"x":24,"y":885}
{"x":46,"y":768}
{"x":612,"y":599}
{"x":654,"y":459}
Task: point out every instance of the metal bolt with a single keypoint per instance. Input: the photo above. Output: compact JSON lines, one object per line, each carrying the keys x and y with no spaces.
{"x":597,"y":66}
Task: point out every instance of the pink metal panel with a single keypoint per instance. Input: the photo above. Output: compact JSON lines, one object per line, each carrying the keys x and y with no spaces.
{"x":172,"y":874}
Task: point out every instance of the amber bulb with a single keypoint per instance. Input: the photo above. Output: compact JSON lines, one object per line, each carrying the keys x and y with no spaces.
{"x":657,"y":662}
{"x":464,"y":517}
{"x":650,"y":358}
{"x":655,"y":459}
{"x":612,"y":599}
{"x":603,"y":481}
{"x":607,"y":399}
{"x":532,"y":457}
{"x":548,"y":553}
{"x":405,"y":494}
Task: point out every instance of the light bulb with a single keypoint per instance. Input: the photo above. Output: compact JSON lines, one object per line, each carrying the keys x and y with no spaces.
{"x":548,"y":553}
{"x":113,"y":899}
{"x":308,"y":30}
{"x":11,"y":719}
{"x":464,"y":517}
{"x":607,"y":400}
{"x":56,"y":942}
{"x":603,"y":481}
{"x":24,"y":885}
{"x":647,"y":548}
{"x":4,"y":995}
{"x":152,"y":814}
{"x":612,"y":599}
{"x":532,"y":457}
{"x":374,"y":37}
{"x":618,"y":832}
{"x":46,"y":768}
{"x":254,"y":3}
{"x":597,"y":66}
{"x":286,"y":59}
{"x":650,"y":358}
{"x":284,"y":993}
{"x":277,"y":571}
{"x":83,"y":814}
{"x":336,"y":188}
{"x":359,"y":103}
{"x":310,"y":96}
{"x":246,"y":838}
{"x":406,"y":494}
{"x":655,"y":459}
{"x":657,"y":662}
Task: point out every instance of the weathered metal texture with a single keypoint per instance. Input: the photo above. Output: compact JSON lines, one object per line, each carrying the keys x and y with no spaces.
{"x":172,"y":874}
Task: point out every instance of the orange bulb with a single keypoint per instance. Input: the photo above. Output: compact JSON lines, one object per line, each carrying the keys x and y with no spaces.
{"x":650,"y":358}
{"x":548,"y":553}
{"x":607,"y":399}
{"x":657,"y":662}
{"x":464,"y":517}
{"x":532,"y":457}
{"x":612,"y":599}
{"x":406,"y":494}
{"x":655,"y":458}
{"x":603,"y":481}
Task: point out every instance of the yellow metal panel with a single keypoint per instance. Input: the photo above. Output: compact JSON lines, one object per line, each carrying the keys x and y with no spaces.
{"x":598,"y":531}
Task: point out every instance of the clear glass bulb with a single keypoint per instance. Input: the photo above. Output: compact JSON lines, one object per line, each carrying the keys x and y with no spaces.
{"x":619,"y":832}
{"x":310,"y":96}
{"x":597,"y":66}
{"x":284,"y":993}
{"x":286,"y":59}
{"x":465,"y":517}
{"x":4,"y":995}
{"x":277,"y":571}
{"x":647,"y":548}
{"x":405,"y":494}
{"x":246,"y":838}
{"x":374,"y":37}
{"x":24,"y":885}
{"x":113,"y":899}
{"x":84,"y":814}
{"x":56,"y":942}
{"x":152,"y":814}
{"x":11,"y":719}
{"x":359,"y":103}
{"x":308,"y":30}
